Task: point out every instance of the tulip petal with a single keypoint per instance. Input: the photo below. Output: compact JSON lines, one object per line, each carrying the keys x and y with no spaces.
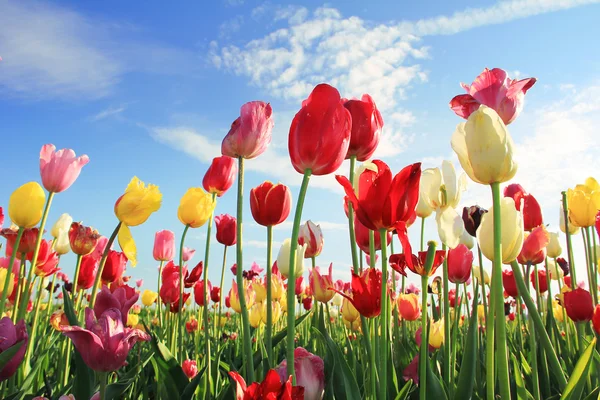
{"x":450,"y":226}
{"x":127,"y":244}
{"x":464,"y":105}
{"x":104,"y":301}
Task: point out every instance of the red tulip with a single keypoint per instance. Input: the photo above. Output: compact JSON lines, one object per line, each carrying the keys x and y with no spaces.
{"x":215,"y":294}
{"x":193,"y":277}
{"x":496,"y":90}
{"x":362,"y":237}
{"x":399,"y":263}
{"x":169,"y":289}
{"x":226,"y":229}
{"x":320,"y":132}
{"x":452,"y":298}
{"x":542,"y":280}
{"x":596,"y":319}
{"x":59,"y":169}
{"x":312,"y":235}
{"x":114,"y":266}
{"x":408,"y":306}
{"x":271,"y":388}
{"x":250,"y":133}
{"x":509,"y":283}
{"x":1,"y":217}
{"x":366,"y":292}
{"x":191,"y":325}
{"x":527,"y":204}
{"x":299,"y":288}
{"x":47,"y":261}
{"x":307,"y":303}
{"x":310,"y":373}
{"x":220,"y":175}
{"x":164,"y":245}
{"x":270,"y":204}
{"x":579,"y":305}
{"x":460,"y":262}
{"x":87,"y":272}
{"x":534,"y":246}
{"x":12,"y":334}
{"x":383,"y":202}
{"x":511,"y":316}
{"x":189,"y":367}
{"x":120,"y":297}
{"x":26,"y":244}
{"x":366,"y":127}
{"x":199,"y":292}
{"x":83,"y":239}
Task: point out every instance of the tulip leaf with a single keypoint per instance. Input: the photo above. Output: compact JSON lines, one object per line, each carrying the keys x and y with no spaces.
{"x":171,"y":371}
{"x":522,"y":392}
{"x":434,"y":387}
{"x":190,"y":389}
{"x":578,"y":378}
{"x":9,"y":353}
{"x":466,"y":377}
{"x":116,"y":390}
{"x":594,"y":395}
{"x":405,"y":392}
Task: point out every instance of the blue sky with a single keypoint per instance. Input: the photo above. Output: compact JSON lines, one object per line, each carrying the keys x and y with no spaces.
{"x":151,"y":91}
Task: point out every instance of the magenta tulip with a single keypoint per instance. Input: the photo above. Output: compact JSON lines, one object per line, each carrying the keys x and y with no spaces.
{"x":11,"y":334}
{"x":120,"y":297}
{"x":250,"y":133}
{"x":164,"y":245}
{"x":59,"y":169}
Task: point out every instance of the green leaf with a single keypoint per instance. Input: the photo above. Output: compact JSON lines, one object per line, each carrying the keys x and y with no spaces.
{"x":434,"y":389}
{"x":522,"y":393}
{"x":190,"y":389}
{"x":116,"y":390}
{"x":466,"y":377}
{"x":594,"y":395}
{"x":577,"y":380}
{"x":405,"y":392}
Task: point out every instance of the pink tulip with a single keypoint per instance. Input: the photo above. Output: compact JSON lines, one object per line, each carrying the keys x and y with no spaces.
{"x":164,"y":246}
{"x":105,"y":342}
{"x":190,"y":369}
{"x":300,"y":285}
{"x":496,"y":90}
{"x":59,"y":169}
{"x":1,"y":217}
{"x":10,"y":335}
{"x":139,"y":283}
{"x":310,"y":373}
{"x":120,"y":297}
{"x":250,"y":133}
{"x":100,"y":246}
{"x":188,"y":254}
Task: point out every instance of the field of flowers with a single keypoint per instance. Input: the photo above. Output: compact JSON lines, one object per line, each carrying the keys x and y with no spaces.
{"x":289,"y":330}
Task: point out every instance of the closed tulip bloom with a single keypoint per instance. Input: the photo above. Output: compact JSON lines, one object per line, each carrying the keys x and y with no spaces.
{"x":132,"y":320}
{"x":485,"y":148}
{"x":12,"y":334}
{"x":554,"y":248}
{"x":59,"y":169}
{"x":408,"y":306}
{"x":26,"y":205}
{"x":170,"y":284}
{"x":311,"y":234}
{"x":349,"y":312}
{"x":105,"y":342}
{"x":557,"y":311}
{"x":250,"y":133}
{"x":164,"y":245}
{"x":260,"y":290}
{"x":199,"y":292}
{"x":583,"y":207}
{"x":191,"y":325}
{"x":527,"y":204}
{"x":47,"y":261}
{"x":138,"y":202}
{"x":195,"y":208}
{"x":579,"y":305}
{"x":83,"y":239}
{"x":460,"y":263}
{"x":215,"y":294}
{"x":226,"y":229}
{"x":320,"y":132}
{"x":310,"y":373}
{"x":494,"y":89}
{"x":62,"y":224}
{"x":399,"y":263}
{"x":573,"y":229}
{"x":271,"y":388}
{"x":220,"y":175}
{"x":114,"y":266}
{"x":362,"y":237}
{"x":149,"y":297}
{"x":452,"y":299}
{"x":275,"y":310}
{"x":254,"y":315}
{"x":436,"y":334}
{"x":512,"y":232}
{"x":423,"y":209}
{"x":87,"y":272}
{"x":270,"y":204}
{"x":321,"y":286}
{"x":596,"y":319}
{"x":190,"y":369}
{"x":26,"y":244}
{"x":534,"y":246}
{"x":188,"y":253}
{"x":234,"y":299}
{"x":283,"y":259}
{"x":366,"y":127}
{"x":12,"y":272}
{"x":61,"y":244}
{"x":366,"y":292}
{"x":509,"y":283}
{"x":541,"y":279}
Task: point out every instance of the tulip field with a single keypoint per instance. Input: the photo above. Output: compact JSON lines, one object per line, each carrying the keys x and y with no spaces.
{"x":489,"y":306}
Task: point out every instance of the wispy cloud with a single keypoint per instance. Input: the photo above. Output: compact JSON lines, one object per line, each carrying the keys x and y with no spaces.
{"x":109,"y":112}
{"x":231,"y":26}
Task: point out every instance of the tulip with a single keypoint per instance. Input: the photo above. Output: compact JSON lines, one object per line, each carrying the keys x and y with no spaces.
{"x":423,"y":209}
{"x":494,"y":89}
{"x":534,"y":246}
{"x":276,"y":311}
{"x":199,"y":292}
{"x":441,"y":188}
{"x":596,"y":319}
{"x":190,"y":369}
{"x":472,"y":218}
{"x":366,"y":127}
{"x":320,"y":132}
{"x":270,"y":388}
{"x":283,"y":259}
{"x":59,"y":169}
{"x":542,"y":280}
{"x":47,"y":261}
{"x":121,"y":298}
{"x":1,"y":217}
{"x":132,"y":320}
{"x":62,"y":224}
{"x":509,"y":283}
{"x":554,"y":271}
{"x":512,"y":232}
{"x":460,"y":262}
{"x":553,"y":248}
{"x":366,"y":292}
{"x":485,"y":148}
{"x":270,"y":204}
{"x":310,"y":373}
{"x":191,"y":325}
{"x":408,"y":306}
{"x":11,"y":335}
{"x":195,"y":208}
{"x":58,"y":320}
{"x":362,"y":237}
{"x":83,"y":239}
{"x":4,"y":271}
{"x":254,"y":315}
{"x":312,"y":235}
{"x":436,"y":334}
{"x":169,"y":290}
{"x":61,"y":244}
{"x":259,"y":289}
{"x":353,"y":326}
{"x":349,"y":312}
{"x":26,"y":244}
{"x":557,"y":311}
{"x":578,"y":304}
{"x":26,"y":205}
{"x":452,"y":298}
{"x":188,"y":253}
{"x":215,"y":294}
{"x":321,"y":286}
{"x":149,"y":297}
{"x":114,"y":266}
{"x":219,"y":177}
{"x":250,"y":133}
{"x":103,"y":336}
{"x":87,"y":272}
{"x":527,"y":204}
{"x":164,"y":245}
{"x":573,"y":229}
{"x":226,"y":229}
{"x":583,"y":207}
{"x":134,"y":207}
{"x":234,"y":299}
{"x":399,"y":263}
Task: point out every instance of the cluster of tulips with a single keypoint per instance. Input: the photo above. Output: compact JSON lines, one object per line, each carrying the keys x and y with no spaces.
{"x":526,"y":330}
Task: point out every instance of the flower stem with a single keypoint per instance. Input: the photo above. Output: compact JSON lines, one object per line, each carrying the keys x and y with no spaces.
{"x":218,"y":318}
{"x":207,"y":373}
{"x":181,"y":287}
{"x":76,"y":278}
{"x":7,"y":280}
{"x":422,"y":233}
{"x":246,"y":339}
{"x":424,"y":341}
{"x":291,"y":326}
{"x":383,"y":346}
{"x":569,"y":243}
{"x":269,"y":327}
{"x":32,"y":338}
{"x":447,"y":351}
{"x":103,"y":377}
{"x":102,"y":262}
{"x":158,"y":306}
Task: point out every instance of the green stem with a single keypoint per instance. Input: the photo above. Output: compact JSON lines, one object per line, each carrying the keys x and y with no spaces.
{"x":159,"y":313}
{"x":422,"y":234}
{"x":373,"y":367}
{"x":50,"y":295}
{"x":569,"y":242}
{"x":77,"y":268}
{"x":32,"y":338}
{"x":207,"y":373}
{"x":218,"y":319}
{"x":590,"y":263}
{"x":247,"y":339}
{"x":457,"y":308}
{"x":19,"y":287}
{"x":424,"y":341}
{"x":383,"y":346}
{"x":9,"y":270}
{"x":269,"y":327}
{"x":96,"y":286}
{"x":103,"y":377}
{"x":291,"y":326}
{"x":447,"y":350}
{"x":180,"y":326}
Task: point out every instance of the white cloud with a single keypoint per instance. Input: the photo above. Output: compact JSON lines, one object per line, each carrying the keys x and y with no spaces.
{"x":231,"y":26}
{"x":109,"y":112}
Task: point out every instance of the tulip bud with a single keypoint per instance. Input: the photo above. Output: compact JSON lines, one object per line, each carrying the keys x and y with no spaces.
{"x":349,"y":312}
{"x":554,"y":249}
{"x":226,"y":229}
{"x":596,"y":319}
{"x":541,"y":279}
{"x":220,"y":175}
{"x":59,"y":169}
{"x":311,"y":234}
{"x":254,"y":315}
{"x":534,"y":246}
{"x":366,"y":127}
{"x":579,"y":305}
{"x":61,"y":244}
{"x":149,"y":297}
{"x":270,"y":204}
{"x":275,"y":313}
{"x":283,"y":259}
{"x":408,"y":306}
{"x":63,"y":224}
{"x":26,"y":205}
{"x":195,"y":208}
{"x":164,"y":245}
{"x":512,"y":232}
{"x":83,"y":239}
{"x":190,"y":369}
{"x":460,"y":263}
{"x":321,"y":286}
{"x":436,"y":333}
{"x":250,"y":133}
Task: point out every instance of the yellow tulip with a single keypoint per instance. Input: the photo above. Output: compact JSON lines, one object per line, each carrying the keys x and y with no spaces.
{"x":277,"y":289}
{"x":484,"y":147}
{"x":352,"y":325}
{"x":11,"y":278}
{"x":512,"y":232}
{"x":254,"y":315}
{"x":132,"y":319}
{"x":481,"y":313}
{"x":349,"y":312}
{"x":554,"y":271}
{"x":436,"y":334}
{"x":149,"y":297}
{"x":259,"y":289}
{"x":558,"y":311}
{"x":477,"y":271}
{"x":573,"y":230}
{"x":195,"y":208}
{"x":283,"y":303}
{"x":554,"y":249}
{"x":26,"y":205}
{"x":128,"y":244}
{"x":276,"y":311}
{"x":222,"y":321}
{"x":234,"y":298}
{"x":591,"y":185}
{"x":583,"y":206}
{"x":137,"y":203}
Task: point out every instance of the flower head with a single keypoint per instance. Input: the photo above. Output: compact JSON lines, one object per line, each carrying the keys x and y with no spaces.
{"x":59,"y":169}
